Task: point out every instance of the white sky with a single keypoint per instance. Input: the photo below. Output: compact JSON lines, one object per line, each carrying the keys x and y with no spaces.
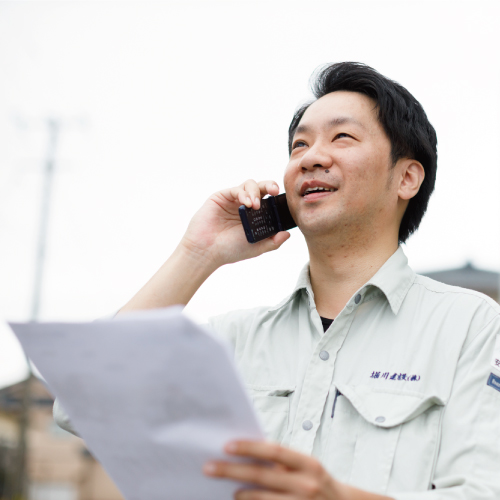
{"x":165,"y":102}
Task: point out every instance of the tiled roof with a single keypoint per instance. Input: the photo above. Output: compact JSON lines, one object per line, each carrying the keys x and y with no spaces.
{"x":469,"y":276}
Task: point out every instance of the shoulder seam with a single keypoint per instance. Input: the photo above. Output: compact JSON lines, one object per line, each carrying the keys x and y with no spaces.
{"x":466,"y":345}
{"x":462,"y":291}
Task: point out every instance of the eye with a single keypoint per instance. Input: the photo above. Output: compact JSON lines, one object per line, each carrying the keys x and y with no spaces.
{"x":341,"y":135}
{"x":299,"y":144}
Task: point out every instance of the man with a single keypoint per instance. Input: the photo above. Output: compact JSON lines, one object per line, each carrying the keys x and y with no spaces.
{"x":371,"y":382}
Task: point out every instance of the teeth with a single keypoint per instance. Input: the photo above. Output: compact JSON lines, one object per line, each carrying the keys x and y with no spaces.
{"x":312,"y":190}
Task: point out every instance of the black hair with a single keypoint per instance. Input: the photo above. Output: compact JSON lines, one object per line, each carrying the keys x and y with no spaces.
{"x":400,"y":114}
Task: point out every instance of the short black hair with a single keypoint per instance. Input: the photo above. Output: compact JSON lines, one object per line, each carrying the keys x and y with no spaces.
{"x":402,"y":117}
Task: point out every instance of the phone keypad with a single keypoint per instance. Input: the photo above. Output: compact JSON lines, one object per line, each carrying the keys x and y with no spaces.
{"x":262,"y":223}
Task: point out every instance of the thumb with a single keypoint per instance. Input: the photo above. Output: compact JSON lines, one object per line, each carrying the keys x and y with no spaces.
{"x":275,"y":241}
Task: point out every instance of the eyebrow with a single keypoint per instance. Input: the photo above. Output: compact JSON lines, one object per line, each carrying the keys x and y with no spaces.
{"x":341,"y":120}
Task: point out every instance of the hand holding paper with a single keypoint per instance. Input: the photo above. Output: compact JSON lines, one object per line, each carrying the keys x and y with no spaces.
{"x":153,"y":395}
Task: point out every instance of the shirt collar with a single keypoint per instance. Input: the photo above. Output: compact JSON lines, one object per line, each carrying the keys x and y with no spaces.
{"x":303,"y":283}
{"x":394,"y":279}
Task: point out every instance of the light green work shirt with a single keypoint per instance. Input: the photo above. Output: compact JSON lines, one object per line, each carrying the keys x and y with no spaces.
{"x":400,"y":396}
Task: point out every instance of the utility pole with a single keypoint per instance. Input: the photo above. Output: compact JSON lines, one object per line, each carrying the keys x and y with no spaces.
{"x":20,"y":486}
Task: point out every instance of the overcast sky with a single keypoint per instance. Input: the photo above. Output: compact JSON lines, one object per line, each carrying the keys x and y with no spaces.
{"x":163,"y":103}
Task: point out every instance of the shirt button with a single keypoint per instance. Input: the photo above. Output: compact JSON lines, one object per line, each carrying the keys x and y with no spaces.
{"x":324,"y":355}
{"x":357,"y":299}
{"x":380,"y":419}
{"x":307,"y":425}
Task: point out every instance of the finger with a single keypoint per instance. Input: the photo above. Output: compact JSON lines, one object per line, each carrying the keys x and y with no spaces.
{"x":272,"y":243}
{"x":253,"y":190}
{"x":250,"y":192}
{"x":239,"y":194}
{"x":268,"y":187}
{"x":260,"y":475}
{"x":247,"y":194}
{"x":259,"y":190}
{"x":248,"y":494}
{"x":273,"y":452}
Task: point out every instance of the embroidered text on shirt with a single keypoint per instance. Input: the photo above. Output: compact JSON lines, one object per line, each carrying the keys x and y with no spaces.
{"x":494,"y":381}
{"x":395,"y":376}
{"x":495,"y":362}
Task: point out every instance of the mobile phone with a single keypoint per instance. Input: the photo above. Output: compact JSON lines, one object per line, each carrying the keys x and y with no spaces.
{"x":273,"y":216}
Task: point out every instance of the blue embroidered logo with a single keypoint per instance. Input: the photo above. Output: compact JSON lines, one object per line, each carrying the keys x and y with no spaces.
{"x":494,"y":381}
{"x":397,"y":376}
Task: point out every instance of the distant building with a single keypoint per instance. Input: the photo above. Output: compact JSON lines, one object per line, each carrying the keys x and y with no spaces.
{"x":59,"y":465}
{"x":468,"y":276}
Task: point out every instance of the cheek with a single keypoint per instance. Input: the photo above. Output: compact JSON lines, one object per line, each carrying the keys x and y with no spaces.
{"x":364,"y":186}
{"x":288,"y":178}
{"x":370,"y":173}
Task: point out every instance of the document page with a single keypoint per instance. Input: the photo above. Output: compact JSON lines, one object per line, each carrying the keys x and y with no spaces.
{"x":153,"y":395}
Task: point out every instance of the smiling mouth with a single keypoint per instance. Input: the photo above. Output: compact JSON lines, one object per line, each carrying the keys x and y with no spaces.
{"x":317,"y":192}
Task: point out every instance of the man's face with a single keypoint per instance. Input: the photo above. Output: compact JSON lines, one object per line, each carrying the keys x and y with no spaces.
{"x":340,"y":145}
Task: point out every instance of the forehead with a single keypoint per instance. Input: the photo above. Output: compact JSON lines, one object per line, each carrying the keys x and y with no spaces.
{"x":342,"y":105}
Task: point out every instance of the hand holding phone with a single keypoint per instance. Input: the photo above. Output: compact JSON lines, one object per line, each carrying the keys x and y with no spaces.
{"x":213,"y":238}
{"x":214,"y":234}
{"x":272,"y":217}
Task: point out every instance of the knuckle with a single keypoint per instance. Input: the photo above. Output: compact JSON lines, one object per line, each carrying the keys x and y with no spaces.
{"x":316,"y":467}
{"x":275,"y":450}
{"x":256,"y":475}
{"x":219,"y":469}
{"x":311,"y":488}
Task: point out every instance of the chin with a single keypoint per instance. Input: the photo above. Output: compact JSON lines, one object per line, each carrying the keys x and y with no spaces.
{"x":317,"y":226}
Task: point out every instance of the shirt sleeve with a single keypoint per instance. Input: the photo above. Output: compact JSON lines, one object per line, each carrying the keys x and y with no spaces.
{"x":235,"y":326}
{"x":469,"y":454}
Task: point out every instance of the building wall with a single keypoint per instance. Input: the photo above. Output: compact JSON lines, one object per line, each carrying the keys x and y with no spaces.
{"x":59,"y":465}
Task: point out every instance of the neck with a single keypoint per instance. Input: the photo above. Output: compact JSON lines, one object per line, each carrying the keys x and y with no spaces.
{"x":339,"y":268}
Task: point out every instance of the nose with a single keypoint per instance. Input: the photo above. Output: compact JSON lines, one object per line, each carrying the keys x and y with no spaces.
{"x":315,"y":157}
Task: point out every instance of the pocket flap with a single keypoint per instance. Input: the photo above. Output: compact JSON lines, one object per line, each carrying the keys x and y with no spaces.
{"x":387,"y":408}
{"x":270,"y":390}
{"x":270,"y":398}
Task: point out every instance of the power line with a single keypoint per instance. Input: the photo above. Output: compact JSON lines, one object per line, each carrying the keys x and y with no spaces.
{"x":20,"y":482}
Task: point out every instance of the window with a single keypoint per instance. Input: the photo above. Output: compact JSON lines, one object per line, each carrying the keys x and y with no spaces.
{"x":52,"y":491}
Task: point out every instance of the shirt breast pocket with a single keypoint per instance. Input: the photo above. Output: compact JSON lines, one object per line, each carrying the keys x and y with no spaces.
{"x":384,"y":441}
{"x":273,"y":408}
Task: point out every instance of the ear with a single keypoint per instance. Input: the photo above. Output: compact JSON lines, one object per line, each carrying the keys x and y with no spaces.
{"x":412,"y":176}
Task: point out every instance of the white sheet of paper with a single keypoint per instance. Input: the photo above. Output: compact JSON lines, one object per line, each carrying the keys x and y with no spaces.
{"x":153,"y":395}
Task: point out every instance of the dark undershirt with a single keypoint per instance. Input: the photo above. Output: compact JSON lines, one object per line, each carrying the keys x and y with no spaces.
{"x":326,"y":323}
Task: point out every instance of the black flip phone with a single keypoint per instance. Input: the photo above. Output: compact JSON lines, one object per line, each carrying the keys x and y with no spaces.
{"x":273,"y":216}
